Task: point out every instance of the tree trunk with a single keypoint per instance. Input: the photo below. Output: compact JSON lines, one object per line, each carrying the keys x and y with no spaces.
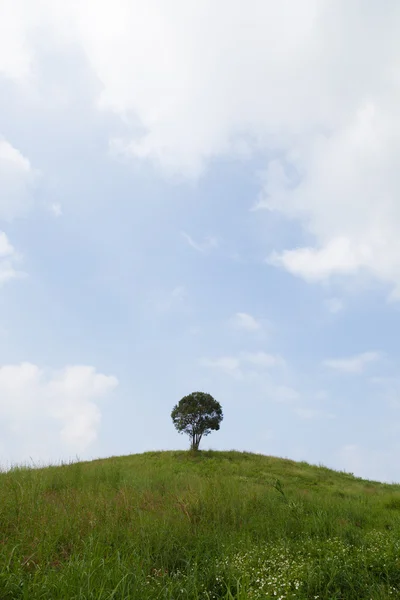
{"x":195,"y":443}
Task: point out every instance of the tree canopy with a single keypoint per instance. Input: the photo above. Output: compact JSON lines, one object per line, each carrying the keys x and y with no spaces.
{"x":197,"y":415}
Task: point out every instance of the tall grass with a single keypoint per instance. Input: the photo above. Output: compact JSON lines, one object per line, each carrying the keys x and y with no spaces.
{"x":177,"y":525}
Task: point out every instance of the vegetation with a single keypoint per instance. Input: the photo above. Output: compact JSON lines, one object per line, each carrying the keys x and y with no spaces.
{"x":197,"y":525}
{"x":196,"y":415}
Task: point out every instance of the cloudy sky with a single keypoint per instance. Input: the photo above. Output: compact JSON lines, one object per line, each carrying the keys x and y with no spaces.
{"x":200,"y":195}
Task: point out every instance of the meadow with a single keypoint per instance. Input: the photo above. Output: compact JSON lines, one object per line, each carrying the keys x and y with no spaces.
{"x":201,"y":526}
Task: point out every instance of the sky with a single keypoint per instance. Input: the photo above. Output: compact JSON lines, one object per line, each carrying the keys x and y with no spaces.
{"x":200,"y":196}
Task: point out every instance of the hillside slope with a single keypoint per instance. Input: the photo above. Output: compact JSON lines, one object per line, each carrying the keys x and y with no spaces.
{"x":210,"y":525}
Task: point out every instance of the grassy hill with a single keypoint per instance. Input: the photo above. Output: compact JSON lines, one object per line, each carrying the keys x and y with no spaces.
{"x":173,"y":525}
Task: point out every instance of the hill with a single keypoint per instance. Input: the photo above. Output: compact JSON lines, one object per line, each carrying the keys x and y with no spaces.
{"x":177,"y":525}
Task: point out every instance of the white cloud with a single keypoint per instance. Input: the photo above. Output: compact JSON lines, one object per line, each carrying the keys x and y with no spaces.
{"x":276,"y":78}
{"x":209,"y":243}
{"x":6,"y":249}
{"x":193,"y":102}
{"x":352,"y":364}
{"x":347,"y":198}
{"x":13,"y":157}
{"x":17,"y":178}
{"x":8,"y":260}
{"x":315,"y":265}
{"x":49,"y":414}
{"x":15,"y":55}
{"x":246,"y":322}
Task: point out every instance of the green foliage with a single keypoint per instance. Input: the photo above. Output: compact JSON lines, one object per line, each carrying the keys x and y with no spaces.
{"x":197,"y":526}
{"x":197,"y":415}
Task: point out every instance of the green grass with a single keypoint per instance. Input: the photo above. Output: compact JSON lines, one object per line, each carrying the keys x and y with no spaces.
{"x":177,"y":525}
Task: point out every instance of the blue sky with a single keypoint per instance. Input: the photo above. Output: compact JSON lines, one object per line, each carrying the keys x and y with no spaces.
{"x":200,"y":196}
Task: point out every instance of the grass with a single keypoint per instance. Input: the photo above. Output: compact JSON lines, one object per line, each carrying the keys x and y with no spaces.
{"x":177,"y":525}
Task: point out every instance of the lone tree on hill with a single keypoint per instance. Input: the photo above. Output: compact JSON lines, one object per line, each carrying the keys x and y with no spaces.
{"x":196,"y":415}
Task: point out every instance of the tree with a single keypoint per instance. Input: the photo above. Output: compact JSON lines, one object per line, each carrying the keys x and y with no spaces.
{"x":196,"y":415}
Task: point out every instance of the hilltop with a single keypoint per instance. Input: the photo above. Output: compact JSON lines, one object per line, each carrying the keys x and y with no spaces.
{"x":178,"y":525}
